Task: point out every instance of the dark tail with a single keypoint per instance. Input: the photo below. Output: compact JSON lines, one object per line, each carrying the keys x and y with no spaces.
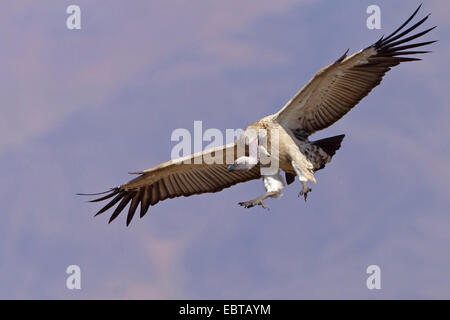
{"x":330,"y":145}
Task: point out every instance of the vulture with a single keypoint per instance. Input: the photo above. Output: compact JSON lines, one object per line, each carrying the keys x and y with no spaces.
{"x":278,"y":141}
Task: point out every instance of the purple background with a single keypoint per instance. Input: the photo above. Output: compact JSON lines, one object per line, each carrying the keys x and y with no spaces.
{"x":82,"y":108}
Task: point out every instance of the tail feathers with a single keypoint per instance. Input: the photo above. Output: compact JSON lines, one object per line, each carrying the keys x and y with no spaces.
{"x":330,"y":145}
{"x":289,"y":178}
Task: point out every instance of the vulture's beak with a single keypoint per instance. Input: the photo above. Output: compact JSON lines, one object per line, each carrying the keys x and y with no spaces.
{"x":231,"y":167}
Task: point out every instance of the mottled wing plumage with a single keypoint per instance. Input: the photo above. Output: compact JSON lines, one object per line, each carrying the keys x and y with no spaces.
{"x":182,"y":177}
{"x":337,"y":88}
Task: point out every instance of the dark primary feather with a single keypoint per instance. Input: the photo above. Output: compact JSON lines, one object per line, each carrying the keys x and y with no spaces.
{"x":405,"y":23}
{"x":133,"y":206}
{"x":113,"y":192}
{"x":111,"y":203}
{"x":126,"y":198}
{"x":390,"y":48}
{"x":95,"y":194}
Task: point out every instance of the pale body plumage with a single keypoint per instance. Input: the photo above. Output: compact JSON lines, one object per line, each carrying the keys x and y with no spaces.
{"x":326,"y":98}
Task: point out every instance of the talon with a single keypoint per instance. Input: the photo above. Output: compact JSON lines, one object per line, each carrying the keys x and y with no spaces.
{"x":263,"y":205}
{"x":252,"y":203}
{"x":245,"y":204}
{"x":304,"y":193}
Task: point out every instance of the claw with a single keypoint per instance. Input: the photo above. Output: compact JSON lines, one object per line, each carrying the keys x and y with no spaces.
{"x":252,"y":203}
{"x":246,"y":204}
{"x":304,"y":193}
{"x":264,"y":206}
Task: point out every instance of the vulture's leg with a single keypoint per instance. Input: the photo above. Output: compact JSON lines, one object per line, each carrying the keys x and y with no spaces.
{"x":274,"y":185}
{"x":303,"y":180}
{"x":305,"y":190}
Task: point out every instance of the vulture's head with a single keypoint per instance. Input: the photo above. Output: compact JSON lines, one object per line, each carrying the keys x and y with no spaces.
{"x":242,"y":164}
{"x":247,"y":150}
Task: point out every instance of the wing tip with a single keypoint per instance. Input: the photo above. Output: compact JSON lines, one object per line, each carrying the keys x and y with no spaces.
{"x":97,"y":193}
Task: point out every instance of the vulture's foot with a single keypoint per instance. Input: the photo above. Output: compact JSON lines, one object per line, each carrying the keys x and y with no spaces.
{"x":253,"y":203}
{"x":305,"y":190}
{"x":259,"y":201}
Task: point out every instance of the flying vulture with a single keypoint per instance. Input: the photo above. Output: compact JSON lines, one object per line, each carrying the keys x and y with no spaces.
{"x":325,"y":99}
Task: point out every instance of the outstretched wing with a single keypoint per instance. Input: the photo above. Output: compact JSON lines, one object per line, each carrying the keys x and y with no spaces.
{"x":337,"y":88}
{"x":203,"y":172}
